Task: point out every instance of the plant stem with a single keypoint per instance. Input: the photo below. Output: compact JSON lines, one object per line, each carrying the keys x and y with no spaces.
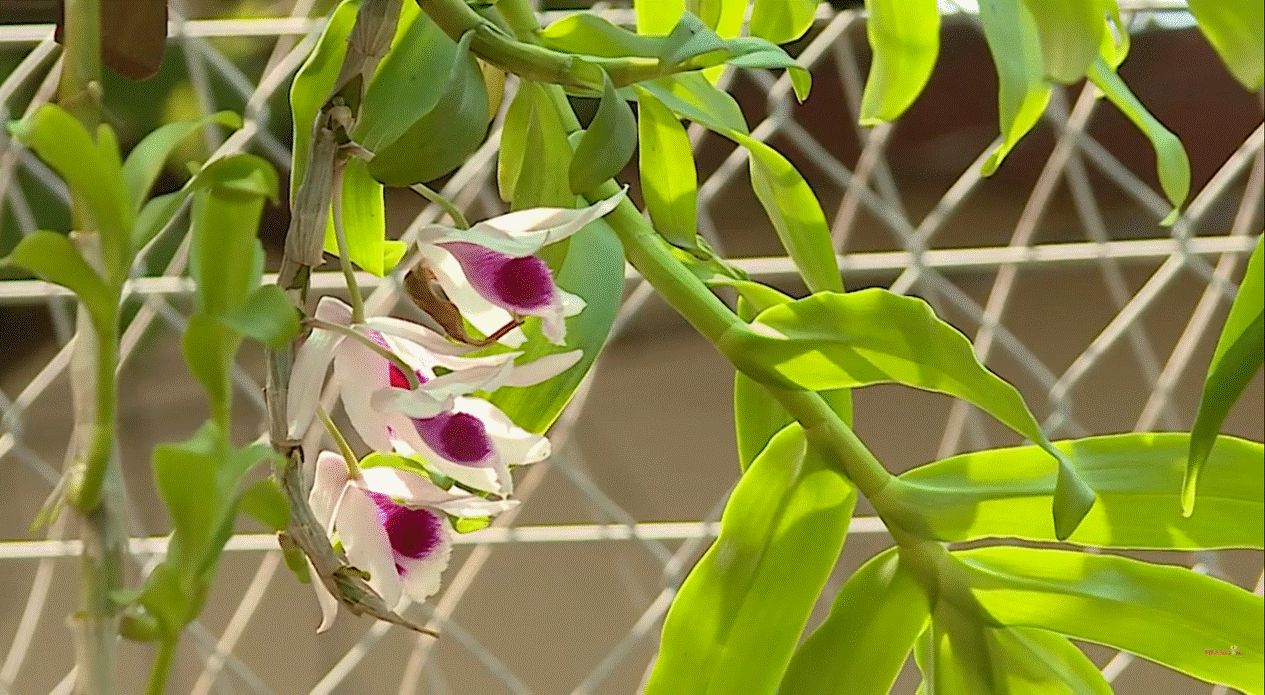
{"x":349,"y":456}
{"x":340,"y":237}
{"x":161,"y":670}
{"x":79,"y":88}
{"x":434,"y":197}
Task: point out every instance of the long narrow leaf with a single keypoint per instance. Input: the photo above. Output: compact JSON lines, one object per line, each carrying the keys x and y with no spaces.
{"x":905,"y":38}
{"x":736,"y":621}
{"x":1022,"y":91}
{"x":1237,"y":358}
{"x":1236,"y":28}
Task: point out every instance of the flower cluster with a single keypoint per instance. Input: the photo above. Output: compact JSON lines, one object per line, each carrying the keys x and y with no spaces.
{"x":411,"y":391}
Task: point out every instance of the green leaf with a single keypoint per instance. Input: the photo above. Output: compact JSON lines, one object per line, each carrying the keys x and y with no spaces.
{"x":689,"y":38}
{"x":588,"y":34}
{"x":862,"y":645}
{"x":545,"y":152}
{"x":209,"y":346}
{"x":268,"y":316}
{"x":1022,"y":91}
{"x":693,"y":45}
{"x":589,"y":264}
{"x":1170,"y":615}
{"x":905,"y":38}
{"x":1003,"y":493}
{"x":954,"y":655}
{"x":53,"y":258}
{"x":313,"y":82}
{"x":1235,"y":361}
{"x":156,"y":213}
{"x":364,"y":219}
{"x":409,"y":82}
{"x":669,"y":182}
{"x":145,"y":162}
{"x":691,"y":96}
{"x":782,"y":21}
{"x":606,"y":146}
{"x":1170,"y":157}
{"x":1036,"y":662}
{"x":441,"y":139}
{"x":185,"y":477}
{"x":739,"y":615}
{"x":92,"y":171}
{"x":873,"y":336}
{"x":226,"y":258}
{"x":265,"y":503}
{"x":1234,"y":28}
{"x":1071,"y":35}
{"x":794,"y":212}
{"x":514,"y":134}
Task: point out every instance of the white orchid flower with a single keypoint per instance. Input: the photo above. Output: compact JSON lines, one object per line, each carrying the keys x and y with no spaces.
{"x":467,"y":439}
{"x":490,"y":271}
{"x":393,"y":524}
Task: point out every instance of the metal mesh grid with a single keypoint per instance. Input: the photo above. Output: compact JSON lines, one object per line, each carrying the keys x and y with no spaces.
{"x":1207,"y":246}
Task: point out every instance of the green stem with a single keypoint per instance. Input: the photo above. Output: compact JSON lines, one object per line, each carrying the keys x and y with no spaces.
{"x":434,"y":197}
{"x":349,"y":456}
{"x":340,"y":236}
{"x":85,"y":493}
{"x":80,"y":84}
{"x":161,"y":670}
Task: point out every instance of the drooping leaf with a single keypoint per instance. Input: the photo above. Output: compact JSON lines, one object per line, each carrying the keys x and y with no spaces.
{"x":589,"y":264}
{"x":738,"y":617}
{"x":669,"y":182}
{"x":606,"y":146}
{"x":692,"y":45}
{"x":954,"y":655}
{"x":185,"y":477}
{"x":794,"y":212}
{"x":1235,"y":361}
{"x":782,"y":21}
{"x":873,"y":336}
{"x":872,"y":625}
{"x":1022,"y":91}
{"x":905,"y":38}
{"x":586,"y":33}
{"x":53,"y":258}
{"x":1036,"y":662}
{"x":1170,"y":615}
{"x":691,"y":96}
{"x":313,"y":82}
{"x":265,"y":503}
{"x":1170,"y":156}
{"x":364,"y":219}
{"x":1071,"y":35}
{"x":267,"y":316}
{"x":442,"y":139}
{"x":145,"y":162}
{"x":1236,"y":28}
{"x":90,"y":166}
{"x":1003,"y":493}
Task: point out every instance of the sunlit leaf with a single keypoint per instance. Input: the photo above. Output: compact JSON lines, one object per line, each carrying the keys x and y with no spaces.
{"x":409,"y":82}
{"x":364,"y":219}
{"x":1236,"y":28}
{"x":1170,"y":157}
{"x":905,"y":38}
{"x":782,"y":21}
{"x":545,"y":152}
{"x":1236,"y":359}
{"x":795,"y":213}
{"x":1036,"y":662}
{"x":1005,"y":492}
{"x":313,"y":82}
{"x":739,"y":614}
{"x":1022,"y":91}
{"x":1071,"y":34}
{"x":224,"y":225}
{"x":1170,"y":615}
{"x":669,"y":182}
{"x":873,"y":336}
{"x":589,"y":34}
{"x":606,"y":146}
{"x":691,"y":96}
{"x":872,"y":625}
{"x":145,"y":162}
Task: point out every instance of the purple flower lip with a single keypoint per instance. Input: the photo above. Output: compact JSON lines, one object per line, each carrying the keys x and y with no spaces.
{"x":515,"y":284}
{"x":414,"y":533}
{"x":458,"y":437}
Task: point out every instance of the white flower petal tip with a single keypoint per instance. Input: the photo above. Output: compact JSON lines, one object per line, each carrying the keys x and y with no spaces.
{"x":324,"y":599}
{"x":544,"y":368}
{"x":525,"y":232}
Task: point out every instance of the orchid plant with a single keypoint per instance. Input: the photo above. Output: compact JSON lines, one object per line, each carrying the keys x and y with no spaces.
{"x":517,"y":307}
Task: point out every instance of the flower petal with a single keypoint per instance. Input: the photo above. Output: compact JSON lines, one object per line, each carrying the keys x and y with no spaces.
{"x":416,"y":334}
{"x":515,"y":445}
{"x":368,"y":547}
{"x":407,"y":442}
{"x":324,"y":599}
{"x":543,"y":368}
{"x":525,"y":232}
{"x":422,"y":576}
{"x":416,"y":490}
{"x":333,"y":310}
{"x":514,"y":283}
{"x":329,"y":480}
{"x":360,"y":372}
{"x":307,"y":376}
{"x":484,"y":315}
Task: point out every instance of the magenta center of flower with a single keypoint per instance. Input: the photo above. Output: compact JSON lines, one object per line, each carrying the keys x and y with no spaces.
{"x":525,"y":282}
{"x":458,"y":437}
{"x":414,"y":533}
